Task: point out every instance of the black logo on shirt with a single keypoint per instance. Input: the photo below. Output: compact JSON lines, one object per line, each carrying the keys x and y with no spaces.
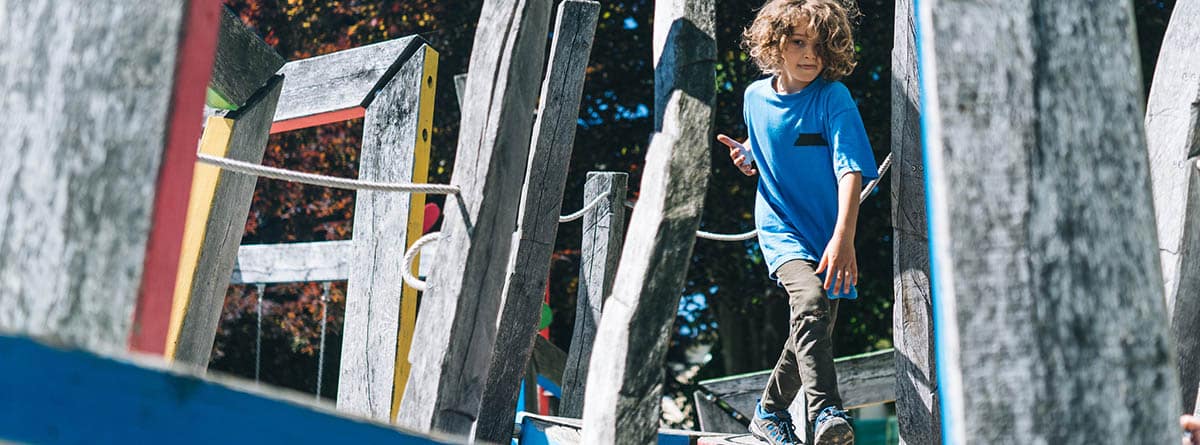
{"x":810,"y":139}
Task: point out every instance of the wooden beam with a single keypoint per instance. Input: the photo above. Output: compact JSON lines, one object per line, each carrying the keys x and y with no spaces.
{"x":293,"y":262}
{"x":863,"y":380}
{"x":537,"y":221}
{"x":917,"y":406}
{"x":218,"y":207}
{"x":1172,"y":134}
{"x":1045,"y":263}
{"x":396,"y":135}
{"x":603,"y":234}
{"x":548,"y":360}
{"x":456,"y":327}
{"x":244,"y":63}
{"x":98,"y":166}
{"x":57,"y":395}
{"x":625,"y":375}
{"x":339,"y":83}
{"x":714,"y":419}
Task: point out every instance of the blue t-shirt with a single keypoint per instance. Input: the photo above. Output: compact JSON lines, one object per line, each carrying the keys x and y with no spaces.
{"x":803,"y":143}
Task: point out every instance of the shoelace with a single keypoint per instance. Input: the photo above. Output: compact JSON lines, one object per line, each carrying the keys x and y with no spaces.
{"x":785,"y":431}
{"x":830,"y":411}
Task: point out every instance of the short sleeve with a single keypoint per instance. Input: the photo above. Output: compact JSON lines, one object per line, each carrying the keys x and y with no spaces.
{"x":847,"y":136}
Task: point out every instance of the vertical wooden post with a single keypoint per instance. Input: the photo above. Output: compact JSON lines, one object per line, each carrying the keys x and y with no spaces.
{"x":537,"y":224}
{"x":100,"y":133}
{"x":625,"y":375}
{"x":917,"y":407}
{"x":457,"y":324}
{"x":603,"y":233}
{"x":1172,"y":134}
{"x":217,"y":210}
{"x":1051,"y":326}
{"x":396,"y":132}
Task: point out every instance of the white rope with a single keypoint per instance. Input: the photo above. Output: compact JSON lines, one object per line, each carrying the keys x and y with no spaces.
{"x":724,"y":237}
{"x":410,"y":255}
{"x":247,"y":168}
{"x":883,"y":169}
{"x":585,"y":209}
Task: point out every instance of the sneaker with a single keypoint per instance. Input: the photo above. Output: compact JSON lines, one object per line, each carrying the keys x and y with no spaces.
{"x":833,"y":428}
{"x":774,"y":428}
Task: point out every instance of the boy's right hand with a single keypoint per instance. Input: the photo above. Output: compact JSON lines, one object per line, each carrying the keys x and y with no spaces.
{"x":739,"y":154}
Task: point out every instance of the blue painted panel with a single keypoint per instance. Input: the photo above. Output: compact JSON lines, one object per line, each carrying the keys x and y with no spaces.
{"x":50,"y":395}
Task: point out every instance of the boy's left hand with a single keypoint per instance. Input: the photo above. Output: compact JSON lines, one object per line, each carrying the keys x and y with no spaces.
{"x":839,"y":259}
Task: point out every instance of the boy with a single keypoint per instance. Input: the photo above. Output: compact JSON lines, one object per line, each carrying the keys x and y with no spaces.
{"x":808,"y":141}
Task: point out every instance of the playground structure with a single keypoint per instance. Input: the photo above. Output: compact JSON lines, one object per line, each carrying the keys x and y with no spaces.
{"x":1044,"y":271}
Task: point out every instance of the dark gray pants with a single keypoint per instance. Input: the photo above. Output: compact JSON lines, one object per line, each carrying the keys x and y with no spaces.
{"x":807,"y":359}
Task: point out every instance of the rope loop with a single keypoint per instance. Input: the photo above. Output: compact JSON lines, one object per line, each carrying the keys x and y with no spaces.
{"x":410,"y":255}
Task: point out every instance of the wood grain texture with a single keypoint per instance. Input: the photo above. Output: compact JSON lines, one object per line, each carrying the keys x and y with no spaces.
{"x":600,"y":251}
{"x":223,"y":228}
{"x":712,"y":418}
{"x":60,"y":395}
{"x":917,"y":407}
{"x":548,"y":360}
{"x":391,"y":132}
{"x":293,"y":262}
{"x":537,"y":220}
{"x":1052,"y":325}
{"x":341,"y":80}
{"x":866,"y":379}
{"x":625,"y":375}
{"x":456,"y":326}
{"x":1172,"y":132}
{"x":86,"y":123}
{"x":244,"y":63}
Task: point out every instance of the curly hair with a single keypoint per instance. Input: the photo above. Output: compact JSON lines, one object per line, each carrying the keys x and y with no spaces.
{"x":831,"y":19}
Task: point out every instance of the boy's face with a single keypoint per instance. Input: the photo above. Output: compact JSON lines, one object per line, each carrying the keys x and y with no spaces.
{"x":801,"y":64}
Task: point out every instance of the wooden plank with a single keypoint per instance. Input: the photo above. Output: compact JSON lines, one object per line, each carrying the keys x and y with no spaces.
{"x":60,"y":395}
{"x":97,"y":173}
{"x":416,"y":228}
{"x":393,"y":132}
{"x":863,"y":380}
{"x":344,"y":80}
{"x":603,"y":233}
{"x":456,"y":327}
{"x":549,"y":360}
{"x":217,"y":212}
{"x":625,"y":376}
{"x":1172,"y":132}
{"x":292,"y":263}
{"x":917,"y":406}
{"x":537,"y":220}
{"x":1046,"y":275}
{"x":567,"y":431}
{"x":712,"y":418}
{"x":244,"y":62}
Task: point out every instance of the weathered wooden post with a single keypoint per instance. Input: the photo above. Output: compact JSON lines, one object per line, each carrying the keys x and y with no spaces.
{"x":1051,"y":326}
{"x":103,"y":103}
{"x":243,"y":80}
{"x":457,"y":324}
{"x":1172,"y":134}
{"x":217,"y":211}
{"x":380,"y":310}
{"x":537,"y":224}
{"x":625,"y":375}
{"x":603,"y":233}
{"x":917,"y":407}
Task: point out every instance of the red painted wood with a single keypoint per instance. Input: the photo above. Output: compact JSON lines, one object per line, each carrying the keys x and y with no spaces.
{"x":193,"y":70}
{"x":318,"y":119}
